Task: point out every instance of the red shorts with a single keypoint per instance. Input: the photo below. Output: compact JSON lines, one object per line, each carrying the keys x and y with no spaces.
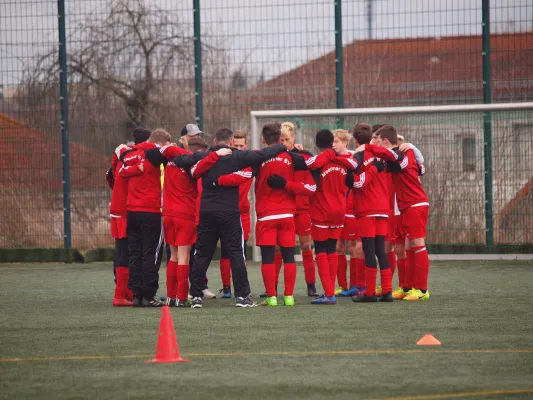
{"x":349,"y":231}
{"x":323,"y":232}
{"x":414,"y":221}
{"x":118,"y":227}
{"x":369,"y":227}
{"x":245,"y":221}
{"x":303,"y":224}
{"x":395,"y":234}
{"x":281,"y":232}
{"x":179,"y":231}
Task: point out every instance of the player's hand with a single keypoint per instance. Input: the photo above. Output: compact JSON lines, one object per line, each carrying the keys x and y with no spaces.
{"x":360,"y":149}
{"x":405,"y":146}
{"x":299,"y":146}
{"x":276,"y":182}
{"x":379,"y":164}
{"x":141,"y":167}
{"x":184,"y":143}
{"x":223,"y":152}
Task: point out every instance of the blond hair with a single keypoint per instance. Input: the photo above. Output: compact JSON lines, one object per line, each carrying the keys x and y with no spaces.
{"x":240,"y":134}
{"x":159,"y":136}
{"x":287,"y":128}
{"x":342,"y":134}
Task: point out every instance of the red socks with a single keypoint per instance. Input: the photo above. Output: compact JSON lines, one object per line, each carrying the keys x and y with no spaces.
{"x":333,"y":260}
{"x":353,"y":272}
{"x":386,"y":280}
{"x":121,"y":288}
{"x":289,"y":275}
{"x":322,"y":263}
{"x":421,"y":262}
{"x":182,"y":273}
{"x":309,"y":267}
{"x":225,"y":271}
{"x":370,"y":279}
{"x":401,"y":272}
{"x":341,"y":271}
{"x":269,"y":278}
{"x":360,"y":270}
{"x":392,"y":261}
{"x":278,"y":260}
{"x":409,"y":269}
{"x":172,"y":280}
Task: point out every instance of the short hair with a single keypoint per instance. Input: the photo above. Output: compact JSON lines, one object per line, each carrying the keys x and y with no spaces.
{"x":287,"y":128}
{"x":140,"y":135}
{"x":271,"y":133}
{"x":223,"y":135}
{"x":324,"y":139}
{"x":388,"y":132}
{"x":362,"y":133}
{"x":377,"y":127}
{"x":240,"y":134}
{"x":342,"y":134}
{"x":197,"y":143}
{"x":160,"y":136}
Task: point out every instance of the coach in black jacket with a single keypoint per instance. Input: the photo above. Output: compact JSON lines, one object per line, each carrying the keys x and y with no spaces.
{"x":220,"y":216}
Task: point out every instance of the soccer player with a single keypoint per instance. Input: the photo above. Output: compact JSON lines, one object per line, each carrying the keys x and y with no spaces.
{"x":118,"y":214}
{"x":371,"y":205}
{"x":276,"y":190}
{"x":333,"y":181}
{"x":144,"y":231}
{"x":220,"y":214}
{"x":349,"y":231}
{"x":302,"y":218}
{"x":414,"y":210}
{"x":243,"y":179}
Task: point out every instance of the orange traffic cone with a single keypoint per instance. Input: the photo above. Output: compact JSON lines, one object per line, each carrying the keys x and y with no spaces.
{"x":167,"y":350}
{"x":428,"y":340}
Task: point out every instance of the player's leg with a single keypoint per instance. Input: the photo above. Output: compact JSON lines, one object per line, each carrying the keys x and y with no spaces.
{"x":170,"y":231}
{"x":368,"y":237}
{"x":266,"y":239}
{"x":322,"y":262}
{"x":351,"y":251}
{"x":135,"y":250}
{"x":399,"y":249}
{"x":303,"y":230}
{"x":382,"y":256}
{"x":152,"y":243}
{"x":416,"y":233}
{"x":225,"y":273}
{"x":183,"y":254}
{"x":206,"y":243}
{"x":342,"y":278}
{"x":122,"y":273}
{"x":286,"y":238}
{"x":357,"y":263}
{"x":333,"y":259}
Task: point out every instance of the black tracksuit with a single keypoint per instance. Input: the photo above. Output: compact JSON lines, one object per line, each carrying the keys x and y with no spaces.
{"x":220,"y":216}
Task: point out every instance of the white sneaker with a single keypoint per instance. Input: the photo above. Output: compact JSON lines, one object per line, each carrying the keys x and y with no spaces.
{"x":209,"y":294}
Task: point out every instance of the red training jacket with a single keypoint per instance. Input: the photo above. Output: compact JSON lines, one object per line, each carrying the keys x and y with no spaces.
{"x":119,"y":195}
{"x":243,"y":179}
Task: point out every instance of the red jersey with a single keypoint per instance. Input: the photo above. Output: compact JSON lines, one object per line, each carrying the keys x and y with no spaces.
{"x":405,"y":177}
{"x":273,"y":203}
{"x":180,"y":193}
{"x":119,"y":195}
{"x":328,"y":205}
{"x":144,"y":187}
{"x":243,"y":179}
{"x":302,"y":202}
{"x":370,"y":194}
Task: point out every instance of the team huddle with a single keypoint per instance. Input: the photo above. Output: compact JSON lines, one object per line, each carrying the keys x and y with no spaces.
{"x":369,"y":201}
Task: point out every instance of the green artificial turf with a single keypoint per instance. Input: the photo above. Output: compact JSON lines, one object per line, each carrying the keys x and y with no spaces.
{"x":54,"y":315}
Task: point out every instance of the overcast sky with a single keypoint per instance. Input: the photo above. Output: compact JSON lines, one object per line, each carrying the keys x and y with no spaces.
{"x":269,"y":36}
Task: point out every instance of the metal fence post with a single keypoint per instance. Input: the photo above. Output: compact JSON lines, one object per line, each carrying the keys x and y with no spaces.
{"x":339,"y":75}
{"x":198,"y":66}
{"x":63,"y":97}
{"x":487,"y":123}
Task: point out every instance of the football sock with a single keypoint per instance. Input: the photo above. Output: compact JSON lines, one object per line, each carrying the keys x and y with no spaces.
{"x":409,"y":268}
{"x":121,"y":288}
{"x":225,"y":271}
{"x":391,"y":257}
{"x":386,"y":280}
{"x":182,"y":272}
{"x":172,"y":280}
{"x":370,"y":280}
{"x":360,"y":272}
{"x":309,"y":267}
{"x":422,"y":268}
{"x":401,"y":272}
{"x":353,"y":271}
{"x":269,"y":279}
{"x":289,"y":275}
{"x":333,"y":260}
{"x":342,"y":265}
{"x":278,"y":261}
{"x":322,"y":263}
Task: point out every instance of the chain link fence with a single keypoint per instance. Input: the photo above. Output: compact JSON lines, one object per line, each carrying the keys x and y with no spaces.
{"x":162,"y":63}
